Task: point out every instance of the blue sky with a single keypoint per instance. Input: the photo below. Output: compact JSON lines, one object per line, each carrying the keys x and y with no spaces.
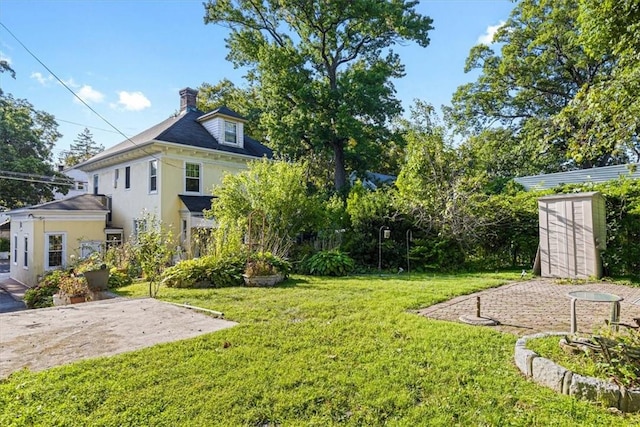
{"x":128,"y":59}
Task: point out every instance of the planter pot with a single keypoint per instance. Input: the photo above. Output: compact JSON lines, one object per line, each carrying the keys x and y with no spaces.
{"x":77,"y":299}
{"x":98,"y":280}
{"x":270,"y":280}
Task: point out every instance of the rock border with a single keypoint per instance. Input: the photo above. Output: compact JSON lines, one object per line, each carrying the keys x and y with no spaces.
{"x":545,"y":372}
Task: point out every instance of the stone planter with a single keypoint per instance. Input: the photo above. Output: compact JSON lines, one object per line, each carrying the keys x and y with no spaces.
{"x":545,"y":372}
{"x":270,"y":280}
{"x":97,"y":280}
{"x":64,"y":299}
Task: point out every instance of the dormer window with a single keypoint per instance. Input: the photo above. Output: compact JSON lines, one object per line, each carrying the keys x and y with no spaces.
{"x":230,"y":132}
{"x":225,"y":125}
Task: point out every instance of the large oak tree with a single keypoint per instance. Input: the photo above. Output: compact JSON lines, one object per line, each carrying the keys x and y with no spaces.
{"x":323,"y":72}
{"x":519,"y":111}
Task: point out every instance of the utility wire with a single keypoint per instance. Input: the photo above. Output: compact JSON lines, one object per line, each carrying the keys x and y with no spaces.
{"x":30,"y":177}
{"x":82,"y":100}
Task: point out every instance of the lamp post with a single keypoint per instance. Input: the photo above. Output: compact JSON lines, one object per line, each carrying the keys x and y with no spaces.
{"x":387,"y":234}
{"x":409,"y":239}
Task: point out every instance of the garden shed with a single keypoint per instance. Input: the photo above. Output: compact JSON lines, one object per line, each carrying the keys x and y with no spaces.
{"x":572,"y":234}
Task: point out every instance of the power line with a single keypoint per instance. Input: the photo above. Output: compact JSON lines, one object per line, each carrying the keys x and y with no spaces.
{"x":30,"y":177}
{"x":82,"y":100}
{"x":86,"y":126}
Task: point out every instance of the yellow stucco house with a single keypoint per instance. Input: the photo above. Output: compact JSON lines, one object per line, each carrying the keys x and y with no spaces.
{"x":168,"y":170}
{"x":47,"y":236}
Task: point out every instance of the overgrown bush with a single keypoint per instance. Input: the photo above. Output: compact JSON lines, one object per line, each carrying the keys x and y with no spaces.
{"x":329,"y":263}
{"x":266,"y":264}
{"x":208,"y":271}
{"x":42,"y":295}
{"x":5,"y":244}
{"x":118,"y":279}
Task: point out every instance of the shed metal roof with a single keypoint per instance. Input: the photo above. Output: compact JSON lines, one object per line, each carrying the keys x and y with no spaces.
{"x":602,"y":174}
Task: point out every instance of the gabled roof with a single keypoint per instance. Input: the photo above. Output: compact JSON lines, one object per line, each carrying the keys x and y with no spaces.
{"x":81,"y":202}
{"x":601,"y":174}
{"x":196,"y":204}
{"x":223,"y":111}
{"x":185,"y":129}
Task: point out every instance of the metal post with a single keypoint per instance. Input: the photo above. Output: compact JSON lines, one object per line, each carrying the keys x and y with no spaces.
{"x":574,"y":322}
{"x":384,"y":227}
{"x":477,"y":306}
{"x":409,"y":239}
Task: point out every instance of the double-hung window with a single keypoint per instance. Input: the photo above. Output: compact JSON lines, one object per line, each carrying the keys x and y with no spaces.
{"x":15,"y":249}
{"x":153,"y":176}
{"x":230,"y":133}
{"x":26,"y":252}
{"x":192,"y":177}
{"x":127,"y":177}
{"x":54,"y":257}
{"x":96,"y":180}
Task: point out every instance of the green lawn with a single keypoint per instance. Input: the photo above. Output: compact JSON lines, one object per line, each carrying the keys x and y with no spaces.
{"x":309,"y":352}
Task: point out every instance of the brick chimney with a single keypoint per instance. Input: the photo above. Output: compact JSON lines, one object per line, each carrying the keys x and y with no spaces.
{"x":188,"y":99}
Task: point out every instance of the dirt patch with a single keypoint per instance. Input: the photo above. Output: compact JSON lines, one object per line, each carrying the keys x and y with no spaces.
{"x":41,"y":339}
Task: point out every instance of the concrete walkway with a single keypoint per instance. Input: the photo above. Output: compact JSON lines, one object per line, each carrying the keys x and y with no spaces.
{"x":11,"y":292}
{"x":539,"y":305}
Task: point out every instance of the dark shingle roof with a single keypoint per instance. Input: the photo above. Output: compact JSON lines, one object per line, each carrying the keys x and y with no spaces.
{"x":81,"y":202}
{"x":196,"y":204}
{"x":185,"y":129}
{"x":225,"y":111}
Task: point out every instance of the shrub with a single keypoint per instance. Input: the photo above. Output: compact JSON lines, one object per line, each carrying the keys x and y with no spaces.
{"x":4,"y":244}
{"x":209,"y":271}
{"x":329,"y":263}
{"x":266,"y":264}
{"x":118,"y":279}
{"x":42,"y":295}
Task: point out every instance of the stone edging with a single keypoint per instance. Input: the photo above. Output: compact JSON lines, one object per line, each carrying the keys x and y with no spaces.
{"x":545,"y":372}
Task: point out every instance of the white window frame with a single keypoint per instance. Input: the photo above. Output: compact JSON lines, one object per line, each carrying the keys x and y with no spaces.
{"x":228,"y":133}
{"x":153,"y":178}
{"x":139,"y":223}
{"x":88,"y":247}
{"x":110,"y":241}
{"x":47,"y":250}
{"x":199,"y":178}
{"x":25,"y":263}
{"x":15,"y":249}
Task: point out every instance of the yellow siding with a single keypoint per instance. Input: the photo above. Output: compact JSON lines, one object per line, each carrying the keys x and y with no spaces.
{"x":75,"y":231}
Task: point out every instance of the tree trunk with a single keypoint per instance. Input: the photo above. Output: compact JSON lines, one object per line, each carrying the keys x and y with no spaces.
{"x":340,"y":174}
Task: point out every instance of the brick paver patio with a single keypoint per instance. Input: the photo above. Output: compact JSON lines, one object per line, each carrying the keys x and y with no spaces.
{"x":539,"y":305}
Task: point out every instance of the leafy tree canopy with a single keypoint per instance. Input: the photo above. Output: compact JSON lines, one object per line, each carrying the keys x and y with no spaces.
{"x":241,"y":100}
{"x":83,"y":149}
{"x":26,"y":139}
{"x":322,"y":71}
{"x":611,"y":108}
{"x":273,"y":196}
{"x":524,"y":93}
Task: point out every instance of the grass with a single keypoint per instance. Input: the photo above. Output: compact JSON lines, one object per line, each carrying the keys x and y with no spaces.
{"x":582,"y":363}
{"x":312,"y":351}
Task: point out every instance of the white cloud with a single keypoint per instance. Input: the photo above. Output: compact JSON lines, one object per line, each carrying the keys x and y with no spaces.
{"x":44,"y":81}
{"x":487,"y":37}
{"x":71,"y":83}
{"x":132,"y":101}
{"x":4,"y":57}
{"x":89,"y":95}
